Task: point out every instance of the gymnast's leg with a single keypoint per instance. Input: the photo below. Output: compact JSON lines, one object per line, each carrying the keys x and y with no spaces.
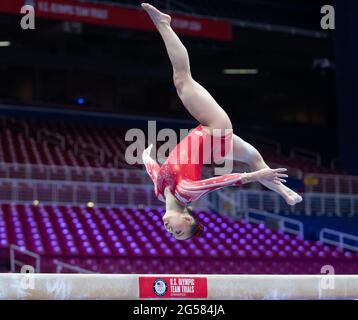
{"x":201,"y":105}
{"x":196,"y":99}
{"x":245,"y":152}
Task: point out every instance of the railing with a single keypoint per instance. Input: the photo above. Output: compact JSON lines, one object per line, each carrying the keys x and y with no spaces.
{"x":69,"y":173}
{"x":60,"y":266}
{"x":105,"y":175}
{"x":230,"y":201}
{"x":306,"y":155}
{"x":234,"y":206}
{"x":66,"y":192}
{"x":322,"y":183}
{"x":331,"y":183}
{"x":340,"y":239}
{"x":282,"y":223}
{"x":23,"y":252}
{"x":221,"y":201}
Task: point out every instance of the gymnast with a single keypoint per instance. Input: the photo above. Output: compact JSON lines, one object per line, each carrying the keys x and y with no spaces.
{"x":178,"y":184}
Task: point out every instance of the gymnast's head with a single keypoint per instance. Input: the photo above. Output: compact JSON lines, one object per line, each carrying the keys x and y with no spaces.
{"x":182,"y":224}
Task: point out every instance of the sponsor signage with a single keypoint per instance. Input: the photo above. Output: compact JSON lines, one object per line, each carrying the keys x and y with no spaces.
{"x":173,"y":287}
{"x":121,"y":17}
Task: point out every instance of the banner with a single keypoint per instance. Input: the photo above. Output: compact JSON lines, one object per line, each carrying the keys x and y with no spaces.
{"x":173,"y":287}
{"x":122,"y":17}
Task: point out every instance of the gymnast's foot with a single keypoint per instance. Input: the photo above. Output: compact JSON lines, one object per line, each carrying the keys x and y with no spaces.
{"x":291,"y":197}
{"x":157,"y":16}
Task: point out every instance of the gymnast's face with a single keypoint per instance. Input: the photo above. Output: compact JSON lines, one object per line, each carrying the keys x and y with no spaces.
{"x":178,"y":224}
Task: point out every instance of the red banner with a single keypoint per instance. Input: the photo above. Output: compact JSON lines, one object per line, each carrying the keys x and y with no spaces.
{"x":173,"y":287}
{"x":116,"y":16}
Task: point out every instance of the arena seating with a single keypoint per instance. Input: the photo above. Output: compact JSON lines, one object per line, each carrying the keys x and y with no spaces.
{"x":61,"y":143}
{"x":25,"y":145}
{"x":134,"y":240}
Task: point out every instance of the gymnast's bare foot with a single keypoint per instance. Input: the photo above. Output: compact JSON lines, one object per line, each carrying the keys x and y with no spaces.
{"x":291,"y":197}
{"x":157,"y":17}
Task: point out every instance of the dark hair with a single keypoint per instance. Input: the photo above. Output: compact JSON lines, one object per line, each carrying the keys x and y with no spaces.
{"x":197,"y":227}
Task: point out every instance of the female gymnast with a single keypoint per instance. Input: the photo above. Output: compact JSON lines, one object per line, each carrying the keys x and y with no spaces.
{"x":178,"y":184}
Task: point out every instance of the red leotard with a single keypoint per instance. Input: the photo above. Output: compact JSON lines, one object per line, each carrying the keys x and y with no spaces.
{"x":183,"y":177}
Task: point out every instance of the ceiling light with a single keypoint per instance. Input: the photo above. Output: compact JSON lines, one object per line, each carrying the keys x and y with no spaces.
{"x":241,"y":71}
{"x":5,"y":43}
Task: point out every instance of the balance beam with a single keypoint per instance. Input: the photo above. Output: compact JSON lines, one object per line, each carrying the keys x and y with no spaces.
{"x":133,"y":287}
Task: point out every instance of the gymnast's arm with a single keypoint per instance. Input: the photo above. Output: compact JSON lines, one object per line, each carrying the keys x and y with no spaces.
{"x":196,"y":189}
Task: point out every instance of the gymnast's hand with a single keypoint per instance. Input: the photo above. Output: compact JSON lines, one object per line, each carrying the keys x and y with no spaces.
{"x":273,"y":175}
{"x":270,"y":175}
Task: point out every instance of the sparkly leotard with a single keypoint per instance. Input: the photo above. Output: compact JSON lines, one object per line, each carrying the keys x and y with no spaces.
{"x":181,"y":172}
